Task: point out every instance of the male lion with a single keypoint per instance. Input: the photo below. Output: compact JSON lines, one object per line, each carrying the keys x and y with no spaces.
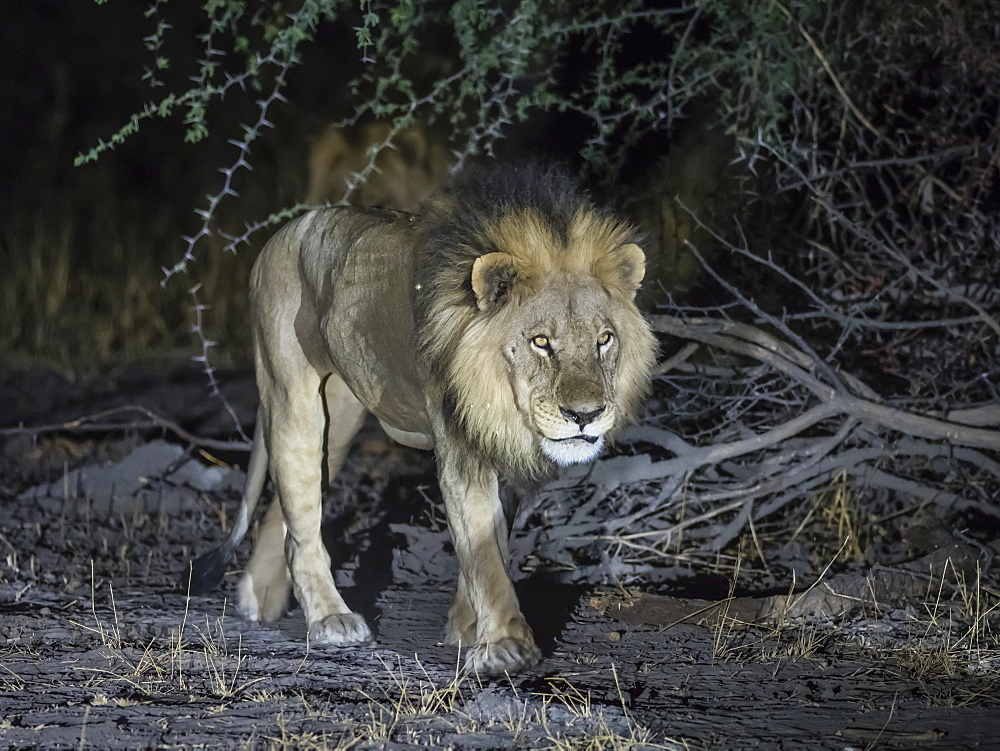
{"x":498,"y":328}
{"x":406,"y":172}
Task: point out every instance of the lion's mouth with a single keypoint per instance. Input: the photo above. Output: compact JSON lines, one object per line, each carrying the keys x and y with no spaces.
{"x":581,"y":437}
{"x":575,"y":449}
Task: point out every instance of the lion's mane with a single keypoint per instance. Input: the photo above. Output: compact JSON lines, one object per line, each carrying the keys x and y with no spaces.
{"x":542,"y":217}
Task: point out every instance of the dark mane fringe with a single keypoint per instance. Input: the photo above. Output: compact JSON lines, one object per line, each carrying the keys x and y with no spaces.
{"x":479,"y":198}
{"x":454,"y":223}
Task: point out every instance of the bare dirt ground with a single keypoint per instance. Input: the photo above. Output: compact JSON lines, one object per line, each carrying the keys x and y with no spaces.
{"x":101,"y":648}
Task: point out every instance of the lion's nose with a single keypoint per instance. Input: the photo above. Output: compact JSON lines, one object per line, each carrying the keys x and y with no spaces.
{"x":580,"y":417}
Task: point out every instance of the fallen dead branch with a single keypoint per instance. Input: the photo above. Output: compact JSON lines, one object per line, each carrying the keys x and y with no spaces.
{"x":836,"y":597}
{"x":753,"y":427}
{"x":99,"y":422}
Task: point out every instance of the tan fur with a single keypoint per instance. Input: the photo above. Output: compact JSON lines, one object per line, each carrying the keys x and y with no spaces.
{"x":336,"y":334}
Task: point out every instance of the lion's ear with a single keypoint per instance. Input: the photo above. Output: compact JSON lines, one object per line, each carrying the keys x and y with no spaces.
{"x":493,"y":276}
{"x":631,"y":266}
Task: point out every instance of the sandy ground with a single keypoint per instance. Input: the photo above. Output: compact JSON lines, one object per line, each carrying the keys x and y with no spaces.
{"x":101,"y":648}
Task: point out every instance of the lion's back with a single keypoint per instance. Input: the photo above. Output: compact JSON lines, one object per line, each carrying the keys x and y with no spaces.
{"x":343,"y":280}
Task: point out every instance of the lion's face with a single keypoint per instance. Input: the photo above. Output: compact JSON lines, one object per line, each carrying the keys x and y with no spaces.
{"x":556,"y":357}
{"x":563,"y":353}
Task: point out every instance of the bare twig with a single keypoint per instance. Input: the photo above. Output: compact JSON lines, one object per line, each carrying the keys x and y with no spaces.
{"x":92,"y":423}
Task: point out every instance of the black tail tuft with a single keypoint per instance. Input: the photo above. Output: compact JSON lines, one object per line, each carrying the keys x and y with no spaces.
{"x":206,"y":571}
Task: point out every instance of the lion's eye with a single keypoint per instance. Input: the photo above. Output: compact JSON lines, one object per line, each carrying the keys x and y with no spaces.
{"x":604,"y":339}
{"x":542,"y":342}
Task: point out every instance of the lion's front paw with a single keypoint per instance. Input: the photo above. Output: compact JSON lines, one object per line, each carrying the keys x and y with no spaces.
{"x":507,"y":655}
{"x":345,"y":628}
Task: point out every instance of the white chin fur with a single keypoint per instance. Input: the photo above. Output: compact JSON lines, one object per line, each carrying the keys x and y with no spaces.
{"x":574,"y":451}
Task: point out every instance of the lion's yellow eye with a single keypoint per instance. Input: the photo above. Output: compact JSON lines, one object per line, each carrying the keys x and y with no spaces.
{"x":542,"y":342}
{"x":604,"y":339}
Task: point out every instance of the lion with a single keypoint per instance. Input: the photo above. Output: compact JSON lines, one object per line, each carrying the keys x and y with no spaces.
{"x":499,"y":329}
{"x":409,"y":166}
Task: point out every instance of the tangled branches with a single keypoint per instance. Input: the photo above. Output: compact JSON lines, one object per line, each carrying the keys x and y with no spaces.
{"x":747,"y":425}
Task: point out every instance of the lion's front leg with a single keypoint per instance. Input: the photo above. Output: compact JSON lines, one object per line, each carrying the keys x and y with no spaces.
{"x":461,"y":628}
{"x":503,"y":640}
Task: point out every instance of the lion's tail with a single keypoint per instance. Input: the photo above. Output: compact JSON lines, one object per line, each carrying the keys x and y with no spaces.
{"x":206,"y":571}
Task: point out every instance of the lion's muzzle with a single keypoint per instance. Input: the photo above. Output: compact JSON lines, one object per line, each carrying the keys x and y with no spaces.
{"x":581,"y":418}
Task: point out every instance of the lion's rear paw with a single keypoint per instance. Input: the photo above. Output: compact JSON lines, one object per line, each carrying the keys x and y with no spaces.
{"x":263,"y":602}
{"x":345,"y":628}
{"x":508,"y":655}
{"x":461,"y":628}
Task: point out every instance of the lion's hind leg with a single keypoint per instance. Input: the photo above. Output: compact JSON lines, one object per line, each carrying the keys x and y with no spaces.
{"x":461,"y":628}
{"x":264,"y":589}
{"x":296,"y":442}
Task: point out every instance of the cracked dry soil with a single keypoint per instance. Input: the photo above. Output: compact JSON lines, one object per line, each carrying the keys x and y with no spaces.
{"x":101,"y":648}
